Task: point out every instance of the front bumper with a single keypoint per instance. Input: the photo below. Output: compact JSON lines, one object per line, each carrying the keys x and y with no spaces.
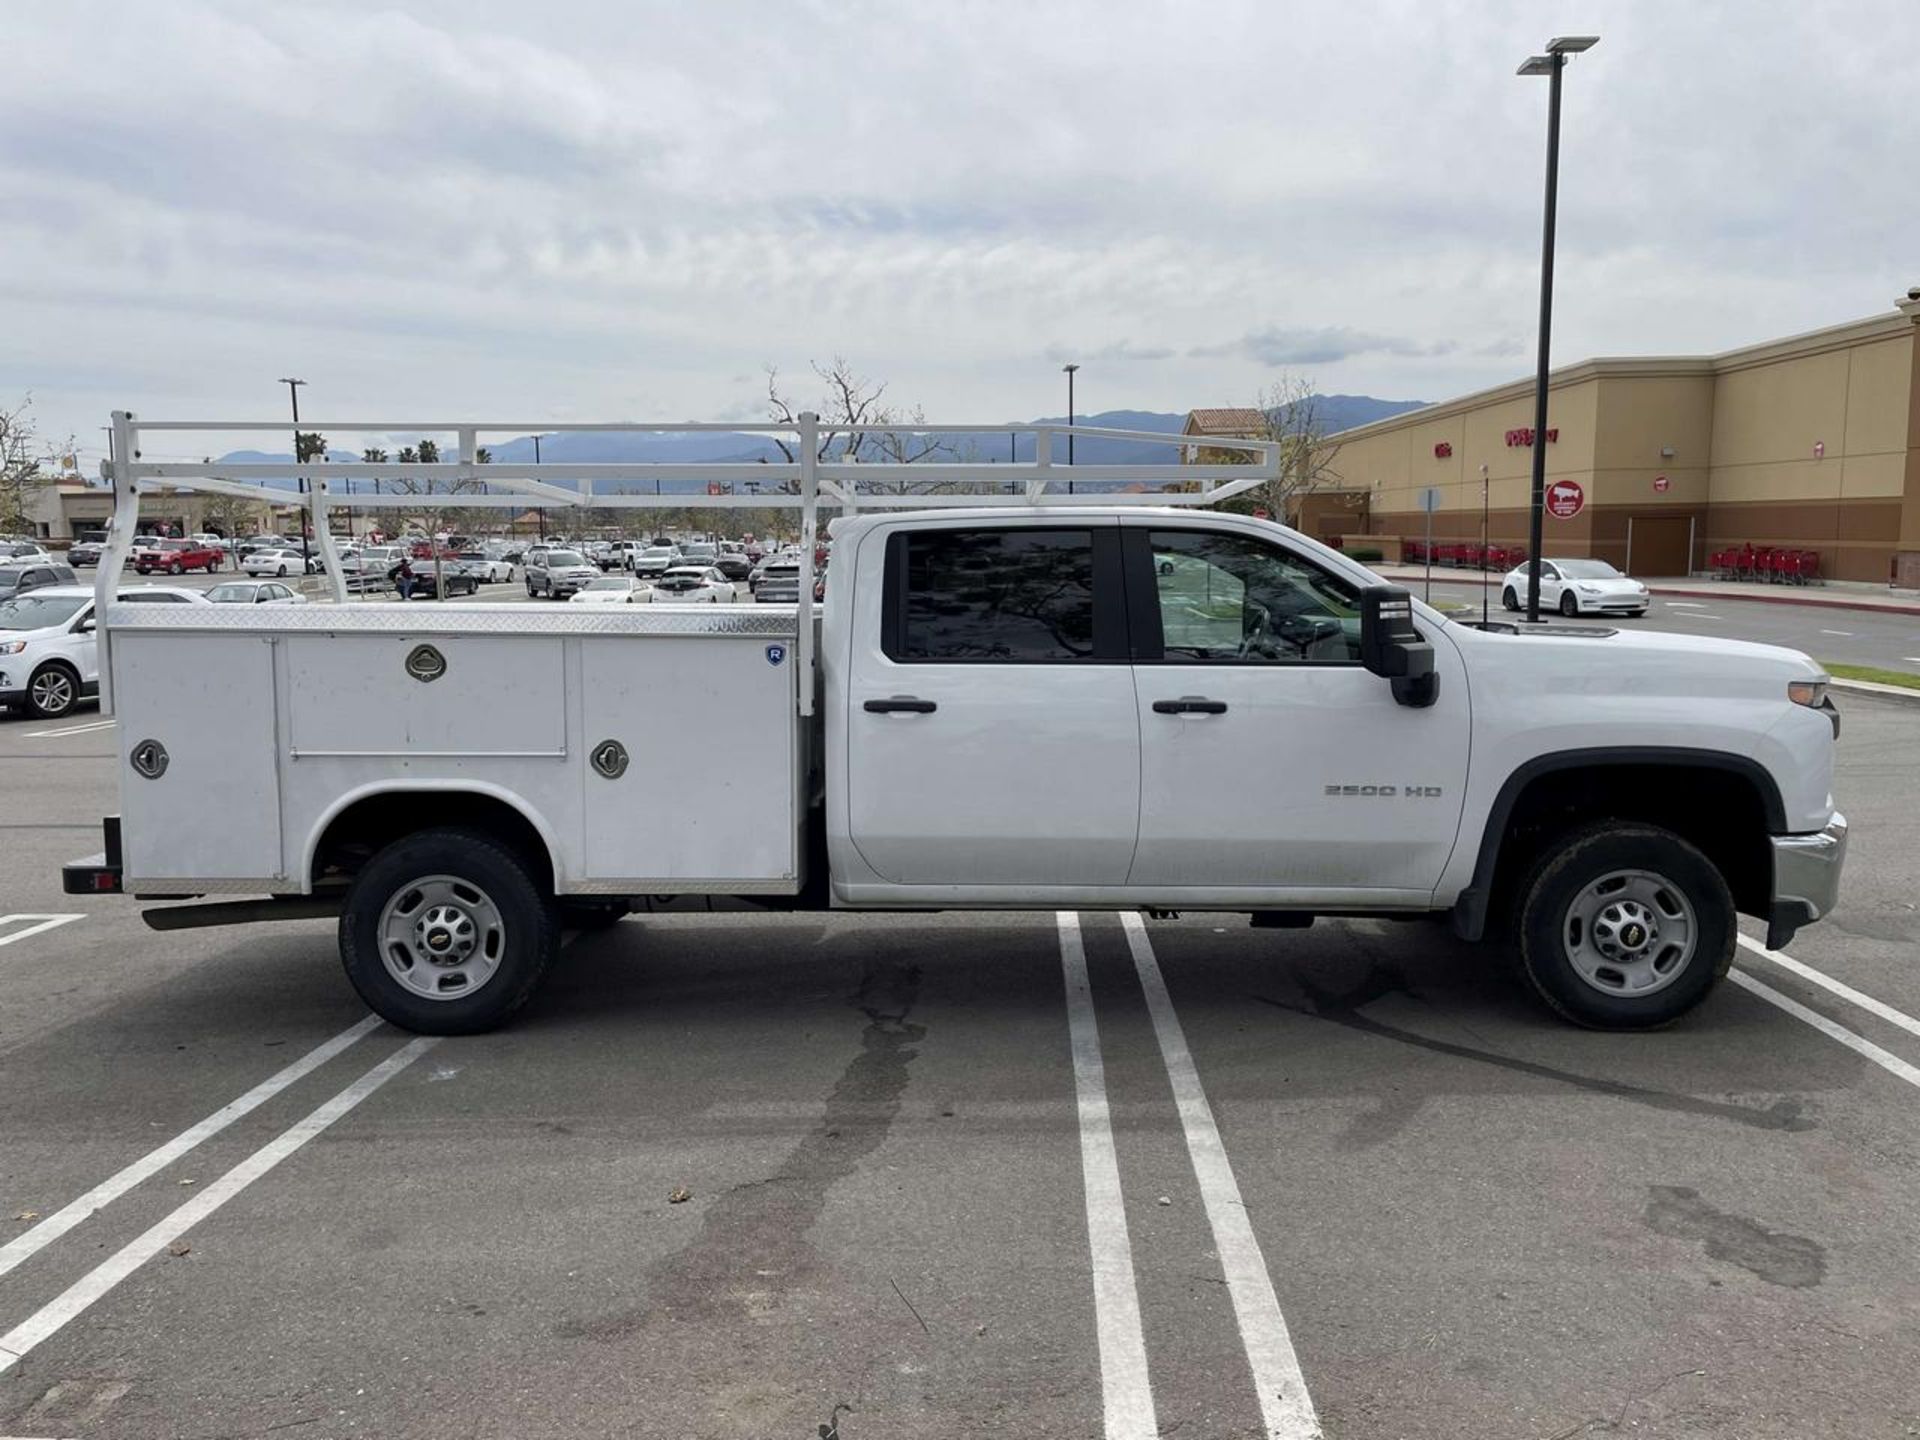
{"x":1806,"y":879}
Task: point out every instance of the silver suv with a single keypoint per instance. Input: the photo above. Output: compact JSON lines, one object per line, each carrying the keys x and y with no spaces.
{"x":558,"y":572}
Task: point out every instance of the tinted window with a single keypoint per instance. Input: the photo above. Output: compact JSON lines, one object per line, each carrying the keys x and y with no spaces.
{"x":35,"y":612}
{"x":563,"y":558}
{"x":1007,"y":595}
{"x":1225,"y":597}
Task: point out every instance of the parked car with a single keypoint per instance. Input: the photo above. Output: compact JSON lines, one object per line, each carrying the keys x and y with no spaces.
{"x":483,"y":566}
{"x":557,"y":572}
{"x":779,"y":583}
{"x":254,"y":592}
{"x":733,"y":563}
{"x":86,"y":552}
{"x":694,"y":585}
{"x":458,"y":581}
{"x":280,"y":562}
{"x":23,"y":552}
{"x":614,"y":590}
{"x":17,"y":578}
{"x":656,"y":560}
{"x":176,"y":557}
{"x":1578,"y":587}
{"x":49,"y":661}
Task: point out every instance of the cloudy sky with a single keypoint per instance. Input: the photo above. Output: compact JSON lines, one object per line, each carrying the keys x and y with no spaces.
{"x":617,"y":209}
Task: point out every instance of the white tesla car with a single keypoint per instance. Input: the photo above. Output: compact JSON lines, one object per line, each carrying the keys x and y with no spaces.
{"x":1577,"y":587}
{"x":613,"y":590}
{"x":694,"y":585}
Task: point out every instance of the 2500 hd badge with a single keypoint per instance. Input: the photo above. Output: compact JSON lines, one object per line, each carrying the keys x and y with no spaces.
{"x":1387,"y":792}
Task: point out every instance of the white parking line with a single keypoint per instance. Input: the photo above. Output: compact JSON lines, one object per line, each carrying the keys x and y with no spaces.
{"x":1684,"y":604}
{"x":1826,"y":982}
{"x":44,"y":924}
{"x":52,"y":1317}
{"x":92,"y":728}
{"x":1859,"y":1044}
{"x":1837,"y":632}
{"x":1126,"y":1390}
{"x":107,"y":1191}
{"x":1285,"y":1407}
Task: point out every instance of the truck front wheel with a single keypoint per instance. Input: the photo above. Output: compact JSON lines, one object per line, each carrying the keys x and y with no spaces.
{"x":447,"y":932}
{"x":1625,"y":927}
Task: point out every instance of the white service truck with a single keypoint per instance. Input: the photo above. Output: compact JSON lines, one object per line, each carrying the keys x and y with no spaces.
{"x":1098,"y":704}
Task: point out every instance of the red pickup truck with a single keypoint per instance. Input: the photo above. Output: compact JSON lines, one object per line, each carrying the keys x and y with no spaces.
{"x":176,"y":557}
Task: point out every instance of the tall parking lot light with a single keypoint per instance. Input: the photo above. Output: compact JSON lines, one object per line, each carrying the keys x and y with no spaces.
{"x":306,"y":519}
{"x":1551,"y":64}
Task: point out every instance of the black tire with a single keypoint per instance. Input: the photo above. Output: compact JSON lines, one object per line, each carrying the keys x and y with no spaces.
{"x":52,"y":691}
{"x":1509,"y":600}
{"x":1546,"y":924}
{"x":1568,"y":605}
{"x":529,"y":922}
{"x":176,"y":568}
{"x":281,"y":572}
{"x":1637,"y":614}
{"x":531,"y":595}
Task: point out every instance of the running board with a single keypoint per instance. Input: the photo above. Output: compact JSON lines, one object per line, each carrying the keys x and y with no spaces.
{"x":240,"y":912}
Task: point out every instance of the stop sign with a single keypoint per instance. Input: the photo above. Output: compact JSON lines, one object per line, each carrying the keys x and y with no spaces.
{"x":1565,"y":499}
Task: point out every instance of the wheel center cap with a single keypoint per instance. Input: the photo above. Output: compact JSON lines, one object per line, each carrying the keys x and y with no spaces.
{"x":1633,"y":936}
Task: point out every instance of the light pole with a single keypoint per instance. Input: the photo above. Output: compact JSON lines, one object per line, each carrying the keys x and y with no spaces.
{"x":293,"y":394}
{"x":1552,"y":64}
{"x":1070,"y":369}
{"x":542,"y":511}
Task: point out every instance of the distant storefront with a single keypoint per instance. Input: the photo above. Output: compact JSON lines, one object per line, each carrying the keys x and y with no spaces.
{"x":1654,"y":463}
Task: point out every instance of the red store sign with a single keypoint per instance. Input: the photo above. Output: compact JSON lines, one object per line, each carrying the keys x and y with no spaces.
{"x":1442,"y":450}
{"x":1523,"y":437}
{"x":1565,"y":499}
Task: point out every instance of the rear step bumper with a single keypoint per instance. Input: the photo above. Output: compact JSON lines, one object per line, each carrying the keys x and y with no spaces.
{"x":96,"y":874}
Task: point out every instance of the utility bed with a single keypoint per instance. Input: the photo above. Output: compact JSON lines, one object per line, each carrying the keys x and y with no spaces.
{"x":294,"y":713}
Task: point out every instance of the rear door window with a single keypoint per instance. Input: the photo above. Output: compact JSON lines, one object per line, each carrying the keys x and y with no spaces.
{"x":1004,"y":596}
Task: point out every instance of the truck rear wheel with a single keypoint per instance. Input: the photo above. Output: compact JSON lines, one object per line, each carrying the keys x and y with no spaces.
{"x":1625,"y":927}
{"x":446,"y":932}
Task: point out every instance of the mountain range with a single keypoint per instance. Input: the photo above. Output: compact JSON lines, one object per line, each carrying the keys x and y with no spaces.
{"x":1339,"y":412}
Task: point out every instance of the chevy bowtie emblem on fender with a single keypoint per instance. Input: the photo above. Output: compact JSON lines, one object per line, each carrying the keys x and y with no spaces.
{"x":776,"y":654}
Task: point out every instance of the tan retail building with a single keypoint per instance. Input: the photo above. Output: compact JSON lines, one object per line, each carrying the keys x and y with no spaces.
{"x":1810,"y":442}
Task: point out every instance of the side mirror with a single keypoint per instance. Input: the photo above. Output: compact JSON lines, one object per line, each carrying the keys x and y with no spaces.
{"x":1391,"y":647}
{"x":89,"y":625}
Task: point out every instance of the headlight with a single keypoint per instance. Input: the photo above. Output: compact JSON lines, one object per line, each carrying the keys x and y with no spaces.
{"x":12,"y":647}
{"x":1588,"y":589}
{"x":1807,"y":692}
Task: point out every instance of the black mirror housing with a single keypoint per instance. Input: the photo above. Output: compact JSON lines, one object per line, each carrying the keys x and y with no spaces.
{"x":1391,"y":647}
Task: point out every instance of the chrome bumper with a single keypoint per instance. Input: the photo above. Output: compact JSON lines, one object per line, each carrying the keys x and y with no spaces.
{"x":1806,"y":878}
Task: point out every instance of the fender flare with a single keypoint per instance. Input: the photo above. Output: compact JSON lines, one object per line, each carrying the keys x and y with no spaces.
{"x":1470,"y":909}
{"x":376,"y":788}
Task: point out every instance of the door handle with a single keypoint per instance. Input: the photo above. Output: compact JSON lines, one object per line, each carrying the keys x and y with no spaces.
{"x":1190,"y":705}
{"x":906,"y":703}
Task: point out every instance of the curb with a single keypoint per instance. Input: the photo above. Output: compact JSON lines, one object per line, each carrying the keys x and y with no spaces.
{"x":1873,"y":687}
{"x":1467,"y":577}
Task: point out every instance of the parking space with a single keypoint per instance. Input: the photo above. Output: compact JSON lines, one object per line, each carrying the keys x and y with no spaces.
{"x":745,"y":1176}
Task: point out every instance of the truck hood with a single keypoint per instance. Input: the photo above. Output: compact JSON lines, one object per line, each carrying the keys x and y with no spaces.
{"x":1581,"y":659}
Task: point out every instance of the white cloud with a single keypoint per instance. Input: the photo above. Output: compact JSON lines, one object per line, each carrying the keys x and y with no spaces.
{"x":603,"y":208}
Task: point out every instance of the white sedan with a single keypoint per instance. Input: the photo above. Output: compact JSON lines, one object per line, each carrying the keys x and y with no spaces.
{"x":255,"y":592}
{"x":280,"y":562}
{"x":493,"y":569}
{"x":1577,"y":587}
{"x":695,"y":585}
{"x":613,"y":590}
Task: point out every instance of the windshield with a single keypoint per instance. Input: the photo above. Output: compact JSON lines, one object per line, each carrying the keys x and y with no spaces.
{"x":228,"y":592}
{"x":37,"y":612}
{"x":1587,"y":570}
{"x":564,"y":557}
{"x":610,"y":582}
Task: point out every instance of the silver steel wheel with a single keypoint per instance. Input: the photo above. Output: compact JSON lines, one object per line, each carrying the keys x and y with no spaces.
{"x":441,"y":937}
{"x":1630,"y":933}
{"x":52,"y":691}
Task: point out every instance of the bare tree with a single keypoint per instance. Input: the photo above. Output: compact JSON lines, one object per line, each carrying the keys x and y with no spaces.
{"x":1289,"y":413}
{"x":227,"y":515}
{"x":22,"y":477}
{"x":857,"y":425}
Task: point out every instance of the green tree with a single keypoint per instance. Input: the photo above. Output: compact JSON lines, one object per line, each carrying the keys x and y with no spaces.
{"x":22,"y":476}
{"x":309,"y":445}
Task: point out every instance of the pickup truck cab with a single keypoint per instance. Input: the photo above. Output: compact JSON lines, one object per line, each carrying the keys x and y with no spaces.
{"x":1088,"y":706}
{"x":176,"y":557}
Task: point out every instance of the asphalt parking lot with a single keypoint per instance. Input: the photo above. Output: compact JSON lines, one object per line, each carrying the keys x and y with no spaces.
{"x":933,"y":1186}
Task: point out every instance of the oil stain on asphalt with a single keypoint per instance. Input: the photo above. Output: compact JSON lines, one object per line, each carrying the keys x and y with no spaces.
{"x":1776,"y":1257}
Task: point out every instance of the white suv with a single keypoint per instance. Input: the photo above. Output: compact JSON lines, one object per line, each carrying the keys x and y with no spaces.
{"x":49,"y":659}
